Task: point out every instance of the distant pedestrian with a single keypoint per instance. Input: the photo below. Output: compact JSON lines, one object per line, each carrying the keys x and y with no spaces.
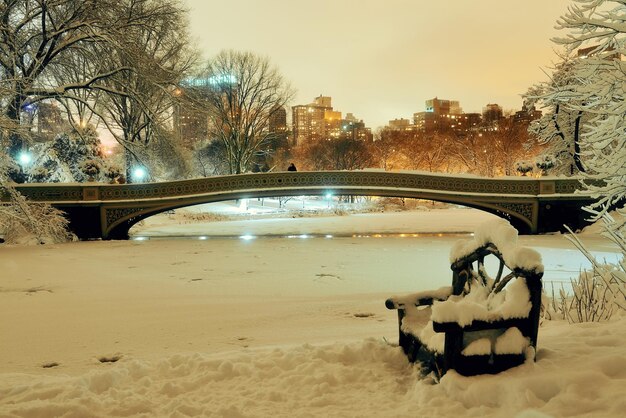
{"x":292,"y":167}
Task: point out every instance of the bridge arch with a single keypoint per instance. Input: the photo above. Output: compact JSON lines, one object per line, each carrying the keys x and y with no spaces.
{"x":120,"y":228}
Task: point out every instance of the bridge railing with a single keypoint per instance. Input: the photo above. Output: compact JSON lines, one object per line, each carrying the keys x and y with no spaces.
{"x":332,"y":180}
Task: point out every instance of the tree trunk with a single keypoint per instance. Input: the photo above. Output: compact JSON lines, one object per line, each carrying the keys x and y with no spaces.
{"x":577,"y":161}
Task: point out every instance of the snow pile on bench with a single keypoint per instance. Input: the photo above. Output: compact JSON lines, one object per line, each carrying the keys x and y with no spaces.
{"x":500,"y":233}
{"x":481,"y":303}
{"x":510,"y":341}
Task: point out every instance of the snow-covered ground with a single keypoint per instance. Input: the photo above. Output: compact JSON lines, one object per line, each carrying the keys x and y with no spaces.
{"x":272,"y":326}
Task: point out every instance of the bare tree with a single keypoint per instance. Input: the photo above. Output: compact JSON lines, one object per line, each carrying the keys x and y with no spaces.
{"x":336,"y":154}
{"x":59,"y":49}
{"x":395,"y":149}
{"x":242,"y":90}
{"x":160,"y":56}
{"x":36,"y":37}
{"x":431,"y":153}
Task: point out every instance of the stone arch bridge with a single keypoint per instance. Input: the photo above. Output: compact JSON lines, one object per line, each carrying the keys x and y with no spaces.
{"x":108,"y":211}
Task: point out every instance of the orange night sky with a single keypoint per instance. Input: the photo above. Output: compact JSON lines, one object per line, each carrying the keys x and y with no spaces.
{"x":382,"y":59}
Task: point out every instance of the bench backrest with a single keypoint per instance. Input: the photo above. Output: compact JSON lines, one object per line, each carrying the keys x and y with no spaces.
{"x":465,"y":275}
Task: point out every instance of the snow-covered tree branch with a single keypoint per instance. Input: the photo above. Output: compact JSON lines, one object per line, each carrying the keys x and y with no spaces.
{"x":591,"y":86}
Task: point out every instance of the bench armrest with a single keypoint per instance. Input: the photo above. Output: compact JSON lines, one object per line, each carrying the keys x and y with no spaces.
{"x":419,"y":299}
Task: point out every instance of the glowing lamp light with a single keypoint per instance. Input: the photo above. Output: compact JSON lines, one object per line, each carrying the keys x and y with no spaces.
{"x":24,"y":158}
{"x":329,"y":195}
{"x":139,"y":174}
{"x":247,"y":237}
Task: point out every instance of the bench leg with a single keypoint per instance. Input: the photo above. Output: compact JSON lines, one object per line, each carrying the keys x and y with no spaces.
{"x":452,"y":350}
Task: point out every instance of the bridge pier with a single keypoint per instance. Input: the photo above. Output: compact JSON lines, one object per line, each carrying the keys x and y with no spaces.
{"x":84,"y":221}
{"x":554,"y":214}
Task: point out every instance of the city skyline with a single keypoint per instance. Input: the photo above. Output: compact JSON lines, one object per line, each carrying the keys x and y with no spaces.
{"x":383,"y":61}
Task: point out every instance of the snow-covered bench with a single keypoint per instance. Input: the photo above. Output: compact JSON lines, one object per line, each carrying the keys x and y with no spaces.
{"x":479,"y":324}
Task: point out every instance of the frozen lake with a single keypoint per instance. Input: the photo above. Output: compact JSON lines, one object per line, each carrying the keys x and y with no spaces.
{"x":419,"y":239}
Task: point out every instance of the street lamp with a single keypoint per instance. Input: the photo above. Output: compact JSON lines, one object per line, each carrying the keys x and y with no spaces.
{"x":139,"y":174}
{"x":329,"y":197}
{"x":24,"y":158}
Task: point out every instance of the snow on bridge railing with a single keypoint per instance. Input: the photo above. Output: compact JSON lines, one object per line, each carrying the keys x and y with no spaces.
{"x":346,"y":180}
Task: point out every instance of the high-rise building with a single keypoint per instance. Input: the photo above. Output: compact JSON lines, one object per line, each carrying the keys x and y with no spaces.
{"x":355,"y":129}
{"x":318,"y":120}
{"x":465,"y":122}
{"x":323,"y":101}
{"x":277,"y":122}
{"x":308,"y":122}
{"x":443,"y":107}
{"x":440,"y":115}
{"x":191,"y":124}
{"x":49,"y":120}
{"x":400,"y":124}
{"x":492,"y":114}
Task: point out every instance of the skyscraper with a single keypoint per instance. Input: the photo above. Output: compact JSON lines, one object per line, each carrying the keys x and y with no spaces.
{"x":277,"y":121}
{"x":440,"y":115}
{"x":318,"y":120}
{"x":49,"y":120}
{"x":310,"y":121}
{"x":492,"y":114}
{"x":190,"y":122}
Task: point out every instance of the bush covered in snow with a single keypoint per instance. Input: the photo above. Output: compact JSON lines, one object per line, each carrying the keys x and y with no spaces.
{"x":90,"y":168}
{"x":598,"y":293}
{"x":23,"y":222}
{"x":524,"y":167}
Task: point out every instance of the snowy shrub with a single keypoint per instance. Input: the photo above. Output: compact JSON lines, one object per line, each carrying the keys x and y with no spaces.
{"x":545,"y":164}
{"x":524,"y":167}
{"x":340,"y":211}
{"x":600,"y":292}
{"x":31,"y":223}
{"x":65,"y":156}
{"x":39,"y":174}
{"x":91,"y":168}
{"x":594,"y":296}
{"x":113,"y":173}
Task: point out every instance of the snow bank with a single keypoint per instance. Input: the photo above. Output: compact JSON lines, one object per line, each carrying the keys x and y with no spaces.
{"x":580,"y":371}
{"x":196,"y":322}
